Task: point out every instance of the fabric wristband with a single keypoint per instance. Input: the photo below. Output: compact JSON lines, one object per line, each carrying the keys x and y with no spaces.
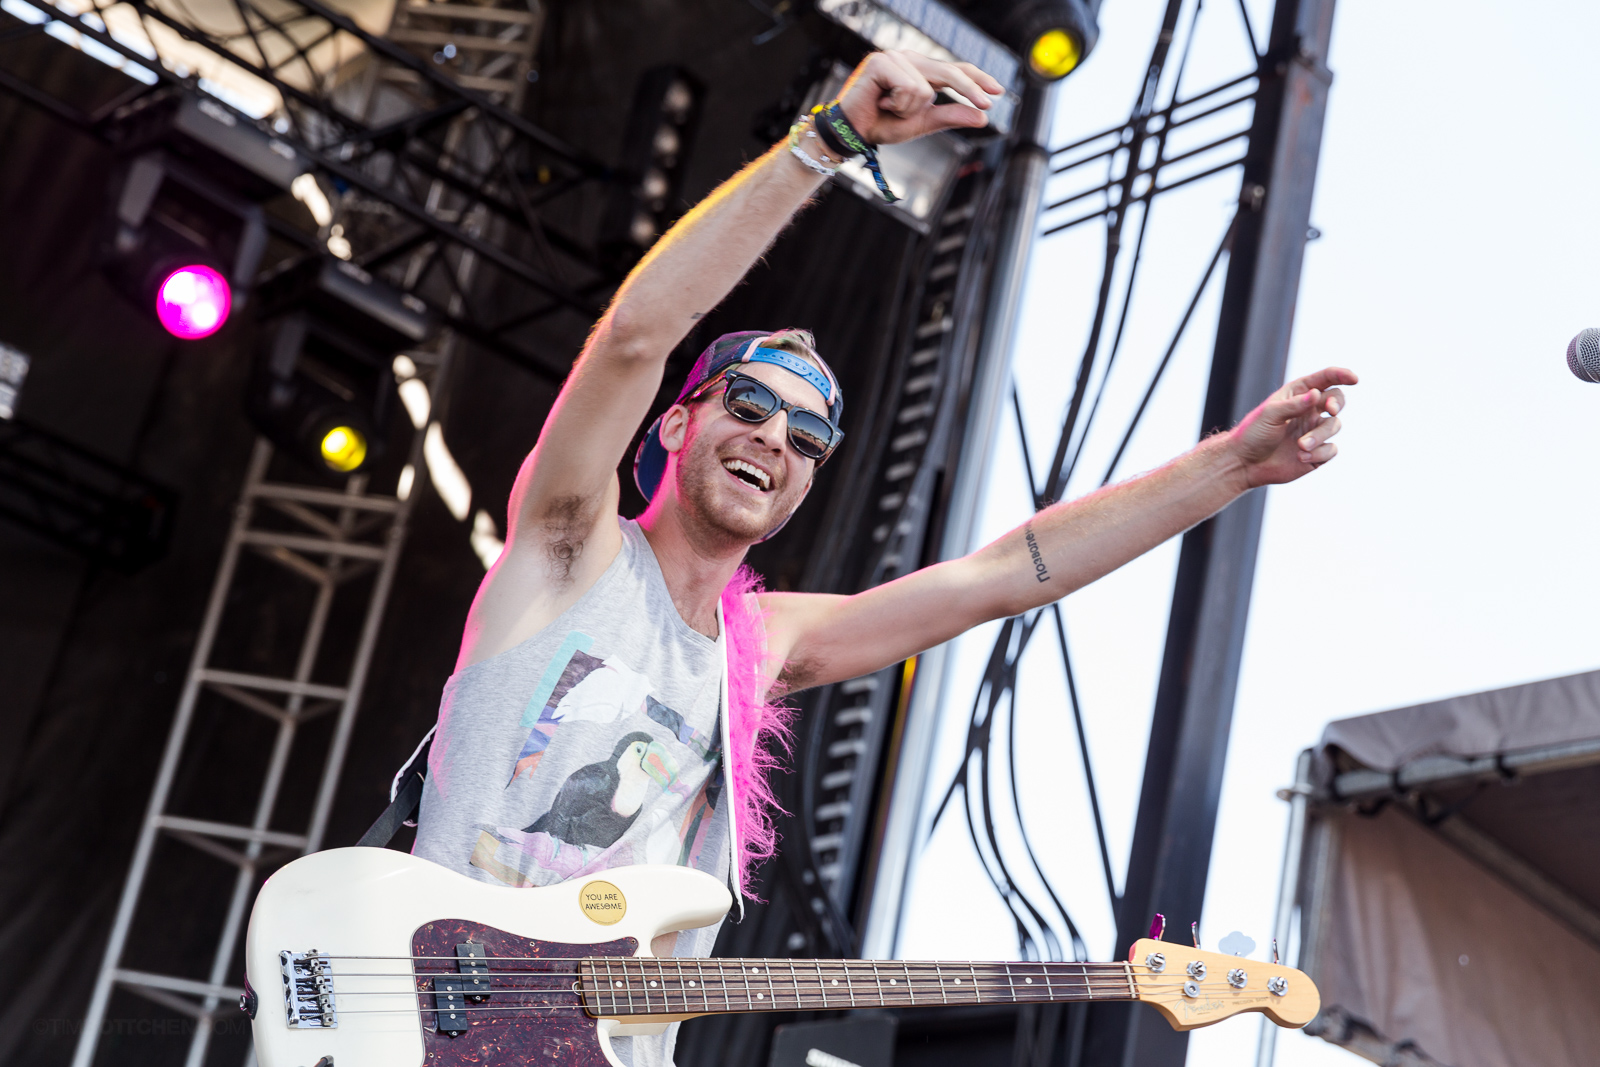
{"x":835,"y":129}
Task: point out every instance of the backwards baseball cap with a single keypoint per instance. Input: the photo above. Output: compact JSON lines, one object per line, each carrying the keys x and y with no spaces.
{"x":746,"y":346}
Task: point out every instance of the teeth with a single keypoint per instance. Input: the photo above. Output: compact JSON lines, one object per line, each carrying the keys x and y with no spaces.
{"x":755,"y":472}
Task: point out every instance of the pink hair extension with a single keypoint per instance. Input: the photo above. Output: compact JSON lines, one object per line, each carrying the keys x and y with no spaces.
{"x":754,"y":723}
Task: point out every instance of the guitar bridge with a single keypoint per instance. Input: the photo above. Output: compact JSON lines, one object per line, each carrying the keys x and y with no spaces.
{"x":308,"y":990}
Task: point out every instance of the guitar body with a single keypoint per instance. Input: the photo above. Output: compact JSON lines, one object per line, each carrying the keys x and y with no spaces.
{"x":375,"y":917}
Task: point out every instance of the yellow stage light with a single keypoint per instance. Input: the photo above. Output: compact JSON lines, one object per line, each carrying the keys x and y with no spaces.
{"x":344,"y":448}
{"x":1055,"y":54}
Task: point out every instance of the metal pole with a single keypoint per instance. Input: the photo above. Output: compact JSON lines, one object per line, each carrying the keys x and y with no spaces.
{"x":1288,"y":886}
{"x":1171,"y":853}
{"x":1030,"y":163}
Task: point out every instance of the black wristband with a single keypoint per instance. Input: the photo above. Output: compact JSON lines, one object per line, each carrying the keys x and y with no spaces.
{"x":825,"y":133}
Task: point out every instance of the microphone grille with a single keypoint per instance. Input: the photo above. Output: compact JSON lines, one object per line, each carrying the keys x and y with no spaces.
{"x":1583,"y":355}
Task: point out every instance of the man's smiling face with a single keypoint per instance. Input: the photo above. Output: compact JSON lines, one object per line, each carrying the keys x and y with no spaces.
{"x":739,"y":479}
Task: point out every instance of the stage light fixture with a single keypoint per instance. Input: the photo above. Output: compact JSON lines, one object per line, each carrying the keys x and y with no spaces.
{"x":323,"y":384}
{"x":186,"y":231}
{"x":344,"y":449}
{"x":1054,"y":54}
{"x":1055,"y":36}
{"x":193,"y":301}
{"x":666,"y":109}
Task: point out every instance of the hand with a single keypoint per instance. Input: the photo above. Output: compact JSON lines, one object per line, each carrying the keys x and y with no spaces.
{"x":1287,"y":436}
{"x":889,"y":98}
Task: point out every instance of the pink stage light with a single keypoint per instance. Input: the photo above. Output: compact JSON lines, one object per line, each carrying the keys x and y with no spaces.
{"x":193,"y":302}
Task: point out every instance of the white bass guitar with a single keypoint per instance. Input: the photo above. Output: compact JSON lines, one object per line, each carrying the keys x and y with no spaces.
{"x":367,"y":957}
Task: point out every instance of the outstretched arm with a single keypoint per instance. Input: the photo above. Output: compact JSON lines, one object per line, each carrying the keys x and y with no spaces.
{"x":562,"y":517}
{"x":1062,"y":548}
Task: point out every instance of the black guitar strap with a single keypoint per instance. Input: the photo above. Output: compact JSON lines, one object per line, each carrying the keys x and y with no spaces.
{"x":405,"y":797}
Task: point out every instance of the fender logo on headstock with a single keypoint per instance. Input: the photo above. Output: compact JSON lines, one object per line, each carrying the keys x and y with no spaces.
{"x":1201,"y":1007}
{"x":602,"y":902}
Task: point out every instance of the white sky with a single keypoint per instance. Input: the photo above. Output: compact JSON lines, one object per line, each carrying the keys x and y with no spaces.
{"x":1445,"y":550}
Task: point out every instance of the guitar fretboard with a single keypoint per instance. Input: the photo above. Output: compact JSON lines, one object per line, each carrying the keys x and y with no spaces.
{"x":633,"y":986}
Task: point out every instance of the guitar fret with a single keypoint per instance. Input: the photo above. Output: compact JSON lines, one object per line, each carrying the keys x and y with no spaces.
{"x":607,"y":984}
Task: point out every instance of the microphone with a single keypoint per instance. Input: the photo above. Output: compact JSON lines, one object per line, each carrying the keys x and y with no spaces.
{"x":1583,"y":355}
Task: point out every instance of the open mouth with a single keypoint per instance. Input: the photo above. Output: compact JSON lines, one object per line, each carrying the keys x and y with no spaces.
{"x":748,"y":473}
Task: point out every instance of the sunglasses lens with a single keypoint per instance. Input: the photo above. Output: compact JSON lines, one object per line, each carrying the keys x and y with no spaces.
{"x":749,"y":400}
{"x":810,"y":433}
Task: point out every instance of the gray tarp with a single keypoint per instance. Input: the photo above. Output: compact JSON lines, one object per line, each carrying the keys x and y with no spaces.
{"x":1424,"y":926}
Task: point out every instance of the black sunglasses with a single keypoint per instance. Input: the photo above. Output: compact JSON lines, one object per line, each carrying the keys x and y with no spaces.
{"x":751,"y":400}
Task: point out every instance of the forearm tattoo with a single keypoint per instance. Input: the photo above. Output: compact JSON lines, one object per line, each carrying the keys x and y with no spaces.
{"x":1040,"y":571}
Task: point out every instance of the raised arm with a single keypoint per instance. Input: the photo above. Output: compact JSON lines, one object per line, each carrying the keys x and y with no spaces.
{"x":562,"y":516}
{"x":1062,"y":548}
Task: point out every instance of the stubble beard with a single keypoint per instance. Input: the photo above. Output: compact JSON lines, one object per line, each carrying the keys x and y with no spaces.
{"x":703,"y":495}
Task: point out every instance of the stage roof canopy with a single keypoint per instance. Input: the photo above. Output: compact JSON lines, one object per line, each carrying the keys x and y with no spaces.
{"x":1450,"y":888}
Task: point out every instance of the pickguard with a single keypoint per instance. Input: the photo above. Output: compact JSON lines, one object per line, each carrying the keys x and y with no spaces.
{"x":564,"y":1037}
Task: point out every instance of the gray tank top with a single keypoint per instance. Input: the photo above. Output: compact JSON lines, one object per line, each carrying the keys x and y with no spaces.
{"x":598,"y":742}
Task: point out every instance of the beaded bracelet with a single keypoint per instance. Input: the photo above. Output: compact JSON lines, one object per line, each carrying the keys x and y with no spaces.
{"x":806,"y":127}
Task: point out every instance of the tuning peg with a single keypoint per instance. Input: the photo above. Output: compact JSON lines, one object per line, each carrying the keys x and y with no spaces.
{"x":1194,"y":933}
{"x":1275,"y":959}
{"x":1158,"y":926}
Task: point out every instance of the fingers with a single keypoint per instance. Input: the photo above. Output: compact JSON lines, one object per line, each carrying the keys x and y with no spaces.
{"x":906,"y":89}
{"x":1281,"y":410}
{"x":1320,"y":455}
{"x":1308,"y":443}
{"x":1333,"y":401}
{"x":963,"y":78}
{"x":1324,"y":378}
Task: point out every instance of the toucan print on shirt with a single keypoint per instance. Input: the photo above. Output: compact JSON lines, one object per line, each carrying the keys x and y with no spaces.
{"x":622,"y":756}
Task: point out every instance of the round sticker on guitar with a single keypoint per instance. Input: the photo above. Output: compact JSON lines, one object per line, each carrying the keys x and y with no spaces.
{"x":602,"y":902}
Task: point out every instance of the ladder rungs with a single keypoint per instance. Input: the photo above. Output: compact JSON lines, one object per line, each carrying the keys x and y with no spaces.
{"x":313,"y":545}
{"x":325,"y":497}
{"x":474,"y":44}
{"x":228,"y":830}
{"x":273,"y":685}
{"x":176,"y":985}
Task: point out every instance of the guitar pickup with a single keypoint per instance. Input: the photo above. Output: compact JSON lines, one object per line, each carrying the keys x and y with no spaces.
{"x":450,"y":1006}
{"x":472,"y":961}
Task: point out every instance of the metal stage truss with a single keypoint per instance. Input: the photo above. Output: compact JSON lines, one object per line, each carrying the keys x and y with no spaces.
{"x":443,"y":190}
{"x":395,"y":123}
{"x":1261,"y":128}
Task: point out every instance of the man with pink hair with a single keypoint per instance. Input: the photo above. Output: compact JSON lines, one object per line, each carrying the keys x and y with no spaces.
{"x":611,"y":694}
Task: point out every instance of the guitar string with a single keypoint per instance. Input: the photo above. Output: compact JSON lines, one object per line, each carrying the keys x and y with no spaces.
{"x":705,"y":992}
{"x":1246,"y":1002}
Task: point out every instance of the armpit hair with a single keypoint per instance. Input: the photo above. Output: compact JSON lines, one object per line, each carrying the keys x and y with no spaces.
{"x":563,"y":522}
{"x":797,"y":674}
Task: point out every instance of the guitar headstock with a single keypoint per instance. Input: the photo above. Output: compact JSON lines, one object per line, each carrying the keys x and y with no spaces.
{"x":1194,"y":988}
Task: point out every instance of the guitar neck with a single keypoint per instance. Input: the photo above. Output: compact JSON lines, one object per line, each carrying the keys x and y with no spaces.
{"x":639,"y":986}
